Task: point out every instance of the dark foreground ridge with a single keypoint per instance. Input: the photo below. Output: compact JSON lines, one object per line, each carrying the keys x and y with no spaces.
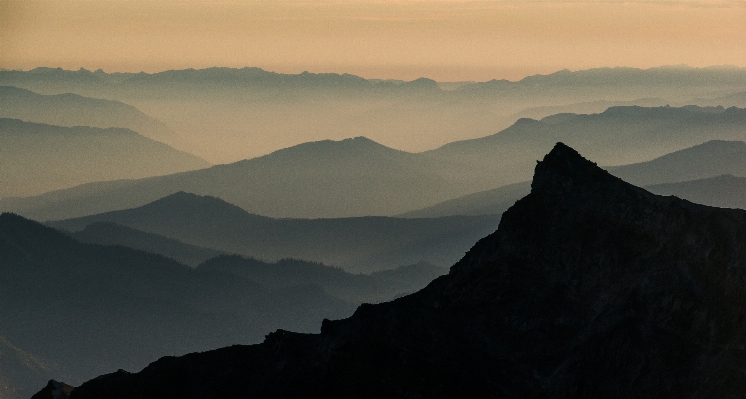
{"x":590,"y":288}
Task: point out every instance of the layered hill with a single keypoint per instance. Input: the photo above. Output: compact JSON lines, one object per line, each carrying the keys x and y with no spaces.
{"x":354,"y":177}
{"x":87,"y":308}
{"x":363,"y":244}
{"x":359,"y":177}
{"x":74,"y":110}
{"x":36,"y":158}
{"x":590,"y":288}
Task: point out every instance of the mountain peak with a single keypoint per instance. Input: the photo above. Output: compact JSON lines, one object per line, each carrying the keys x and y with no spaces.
{"x":563,"y":169}
{"x":333,"y":149}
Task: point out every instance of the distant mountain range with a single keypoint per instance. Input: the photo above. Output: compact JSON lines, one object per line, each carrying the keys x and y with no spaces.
{"x":620,"y":77}
{"x":87,"y":308}
{"x":225,"y":115}
{"x":733,"y":100}
{"x":74,"y":110}
{"x":359,"y":177}
{"x":36,"y":158}
{"x":362,"y":244}
{"x":590,"y":288}
{"x":353,"y":288}
{"x":617,"y":136}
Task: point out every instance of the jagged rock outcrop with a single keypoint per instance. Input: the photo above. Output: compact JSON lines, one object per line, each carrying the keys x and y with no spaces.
{"x":590,"y":288}
{"x":54,"y":390}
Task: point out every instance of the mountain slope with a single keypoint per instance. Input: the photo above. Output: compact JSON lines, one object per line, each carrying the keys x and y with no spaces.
{"x":590,"y":288}
{"x":706,"y":160}
{"x":73,"y":110}
{"x":364,"y":244}
{"x":35,"y":158}
{"x":106,"y":233}
{"x":488,"y":202}
{"x":724,"y":191}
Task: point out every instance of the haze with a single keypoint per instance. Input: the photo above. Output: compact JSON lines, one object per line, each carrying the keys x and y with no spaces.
{"x":444,"y":40}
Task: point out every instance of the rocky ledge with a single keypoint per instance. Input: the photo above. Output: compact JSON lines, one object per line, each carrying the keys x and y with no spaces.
{"x":590,"y":288}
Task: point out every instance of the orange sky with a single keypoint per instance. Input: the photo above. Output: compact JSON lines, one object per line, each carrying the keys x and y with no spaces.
{"x":444,"y":40}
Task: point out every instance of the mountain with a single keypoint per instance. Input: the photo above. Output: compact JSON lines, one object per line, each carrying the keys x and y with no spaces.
{"x":706,"y":160}
{"x":86,"y":307}
{"x":353,"y":177}
{"x":73,"y":110}
{"x":106,"y":233}
{"x":35,"y":158}
{"x":225,"y":115}
{"x":359,"y":177}
{"x":20,"y":371}
{"x":724,"y":191}
{"x":73,"y":310}
{"x":590,"y":288}
{"x":488,"y":202}
{"x":731,"y":100}
{"x":363,"y":244}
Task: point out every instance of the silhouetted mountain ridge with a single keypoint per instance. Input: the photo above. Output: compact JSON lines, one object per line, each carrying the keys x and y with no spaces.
{"x":590,"y":288}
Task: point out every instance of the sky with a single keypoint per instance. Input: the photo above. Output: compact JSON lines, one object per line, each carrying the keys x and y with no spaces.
{"x":387,"y":39}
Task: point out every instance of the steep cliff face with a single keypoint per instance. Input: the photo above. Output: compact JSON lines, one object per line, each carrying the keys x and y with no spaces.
{"x":590,"y":288}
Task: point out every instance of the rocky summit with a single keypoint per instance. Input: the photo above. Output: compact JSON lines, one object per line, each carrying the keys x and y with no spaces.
{"x":590,"y":288}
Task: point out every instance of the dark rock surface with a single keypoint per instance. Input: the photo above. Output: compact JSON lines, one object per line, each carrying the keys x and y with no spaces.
{"x":54,"y":390}
{"x":590,"y":288}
